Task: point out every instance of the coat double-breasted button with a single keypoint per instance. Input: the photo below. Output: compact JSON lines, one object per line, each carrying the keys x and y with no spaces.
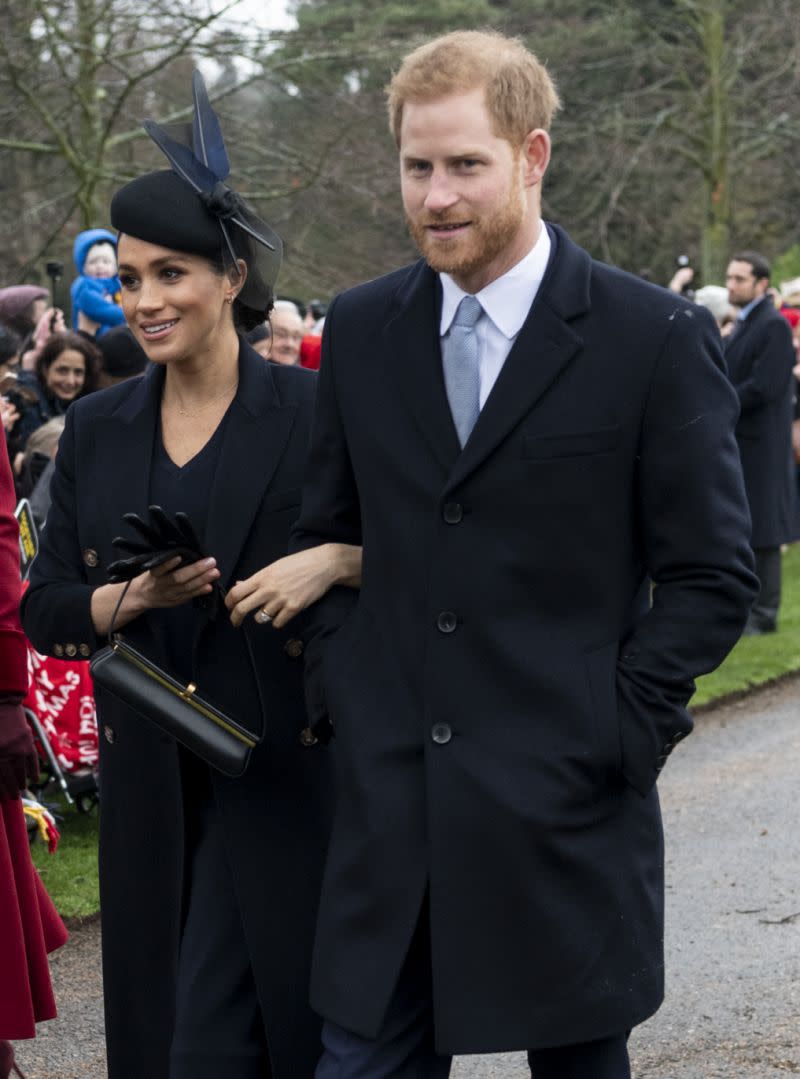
{"x":70,"y":650}
{"x":446,"y":622}
{"x":307,"y":737}
{"x":109,"y":734}
{"x":58,"y":650}
{"x":453,"y":513}
{"x":85,"y":650}
{"x":441,"y":733}
{"x":293,"y":648}
{"x":90,"y":557}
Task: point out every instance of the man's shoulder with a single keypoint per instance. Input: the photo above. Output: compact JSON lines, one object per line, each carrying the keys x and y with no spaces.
{"x":576,"y":282}
{"x":626,"y":288}
{"x":382,"y":290}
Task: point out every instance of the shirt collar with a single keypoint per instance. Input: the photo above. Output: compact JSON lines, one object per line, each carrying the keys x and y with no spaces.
{"x":748,"y":307}
{"x":507,"y":299}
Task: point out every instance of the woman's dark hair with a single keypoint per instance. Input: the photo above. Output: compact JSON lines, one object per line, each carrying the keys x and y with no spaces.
{"x":60,"y":342}
{"x":10,"y":343}
{"x":245,"y":318}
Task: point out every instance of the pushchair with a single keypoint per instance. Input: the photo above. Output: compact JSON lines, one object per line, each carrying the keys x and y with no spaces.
{"x":59,"y":705}
{"x":61,"y":711}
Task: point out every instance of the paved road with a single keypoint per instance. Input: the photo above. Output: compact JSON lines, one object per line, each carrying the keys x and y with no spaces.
{"x":730,"y":796}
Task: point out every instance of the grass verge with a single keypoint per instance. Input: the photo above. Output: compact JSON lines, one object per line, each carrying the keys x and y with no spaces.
{"x":758,"y":660}
{"x":70,"y":875}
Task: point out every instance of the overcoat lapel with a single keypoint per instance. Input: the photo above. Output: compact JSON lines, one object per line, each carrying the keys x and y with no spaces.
{"x":739,"y":335}
{"x":129,"y":457}
{"x":411,"y":345}
{"x":545,"y":345}
{"x":254,"y":440}
{"x":543,"y":348}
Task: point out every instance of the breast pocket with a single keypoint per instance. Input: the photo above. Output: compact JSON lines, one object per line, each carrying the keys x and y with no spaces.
{"x":579,"y":444}
{"x":571,"y":471}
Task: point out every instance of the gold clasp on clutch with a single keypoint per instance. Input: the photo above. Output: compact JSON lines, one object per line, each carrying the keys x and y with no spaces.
{"x":188,"y":692}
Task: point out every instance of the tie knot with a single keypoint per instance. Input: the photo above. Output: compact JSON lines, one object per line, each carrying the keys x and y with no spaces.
{"x":468,"y":312}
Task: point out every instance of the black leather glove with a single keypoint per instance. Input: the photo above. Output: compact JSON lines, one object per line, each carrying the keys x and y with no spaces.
{"x":160,"y":539}
{"x":19,"y":762}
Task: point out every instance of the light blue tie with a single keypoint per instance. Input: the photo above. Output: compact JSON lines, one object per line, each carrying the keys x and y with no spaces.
{"x":461,"y":366}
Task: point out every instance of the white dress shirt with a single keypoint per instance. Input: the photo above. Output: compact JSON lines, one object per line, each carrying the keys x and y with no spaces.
{"x":506,"y":302}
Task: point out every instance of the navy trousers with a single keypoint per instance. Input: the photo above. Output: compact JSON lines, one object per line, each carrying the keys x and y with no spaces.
{"x":403,"y":1048}
{"x":219,"y":1030}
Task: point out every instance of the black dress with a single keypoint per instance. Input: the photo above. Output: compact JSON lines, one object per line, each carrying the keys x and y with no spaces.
{"x":218,"y":1024}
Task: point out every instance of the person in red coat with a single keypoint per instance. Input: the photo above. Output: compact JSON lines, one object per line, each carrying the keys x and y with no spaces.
{"x":29,"y":924}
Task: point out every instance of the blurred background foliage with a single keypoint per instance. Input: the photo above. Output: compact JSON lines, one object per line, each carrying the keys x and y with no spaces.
{"x":680,"y":131}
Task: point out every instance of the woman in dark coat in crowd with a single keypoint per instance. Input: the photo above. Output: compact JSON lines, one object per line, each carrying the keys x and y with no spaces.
{"x":208,"y":885}
{"x":66,"y":369}
{"x":29,"y":925}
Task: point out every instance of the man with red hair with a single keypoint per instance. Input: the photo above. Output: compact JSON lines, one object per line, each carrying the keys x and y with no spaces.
{"x":523,"y":440}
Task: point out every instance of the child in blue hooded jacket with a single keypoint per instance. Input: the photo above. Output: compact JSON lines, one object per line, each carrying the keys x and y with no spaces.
{"x":95,"y":293}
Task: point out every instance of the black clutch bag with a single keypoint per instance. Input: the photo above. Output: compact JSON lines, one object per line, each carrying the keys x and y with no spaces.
{"x":177,"y":709}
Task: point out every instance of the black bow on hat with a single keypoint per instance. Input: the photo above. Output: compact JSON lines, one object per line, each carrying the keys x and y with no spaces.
{"x":150,"y":208}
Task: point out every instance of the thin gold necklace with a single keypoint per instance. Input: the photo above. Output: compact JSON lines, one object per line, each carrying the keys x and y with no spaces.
{"x":193,"y":415}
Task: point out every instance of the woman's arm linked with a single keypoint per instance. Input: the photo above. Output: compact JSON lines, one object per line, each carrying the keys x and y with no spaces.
{"x":282,"y":589}
{"x":291,"y":584}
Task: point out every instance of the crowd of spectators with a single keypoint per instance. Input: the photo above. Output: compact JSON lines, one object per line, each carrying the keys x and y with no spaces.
{"x":49,"y":358}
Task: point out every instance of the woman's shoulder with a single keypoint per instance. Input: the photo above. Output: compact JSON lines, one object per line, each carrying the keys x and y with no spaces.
{"x":105,"y":402}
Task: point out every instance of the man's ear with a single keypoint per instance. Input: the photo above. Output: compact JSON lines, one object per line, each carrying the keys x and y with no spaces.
{"x":535,"y":153}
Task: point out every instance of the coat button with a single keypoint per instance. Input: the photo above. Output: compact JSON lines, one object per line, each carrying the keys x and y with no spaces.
{"x":307,"y":737}
{"x":441,"y":733}
{"x":109,"y":735}
{"x":293,"y":648}
{"x":453,"y":513}
{"x":446,"y":622}
{"x":70,"y":650}
{"x":85,"y":650}
{"x":90,"y":557}
{"x":58,"y":650}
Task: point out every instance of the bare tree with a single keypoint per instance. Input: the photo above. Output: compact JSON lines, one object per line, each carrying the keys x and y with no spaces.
{"x":76,"y":76}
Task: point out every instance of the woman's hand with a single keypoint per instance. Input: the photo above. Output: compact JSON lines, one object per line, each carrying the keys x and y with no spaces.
{"x":291,"y":584}
{"x":168,"y":586}
{"x":165,"y":586}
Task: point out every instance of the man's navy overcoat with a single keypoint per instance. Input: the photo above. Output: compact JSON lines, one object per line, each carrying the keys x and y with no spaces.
{"x":501,"y":693}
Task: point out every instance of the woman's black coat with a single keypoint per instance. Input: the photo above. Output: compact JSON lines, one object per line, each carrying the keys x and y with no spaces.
{"x":274,"y":816}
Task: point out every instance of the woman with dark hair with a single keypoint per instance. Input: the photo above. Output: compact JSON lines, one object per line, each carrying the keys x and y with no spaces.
{"x":208,"y":884}
{"x":66,"y":369}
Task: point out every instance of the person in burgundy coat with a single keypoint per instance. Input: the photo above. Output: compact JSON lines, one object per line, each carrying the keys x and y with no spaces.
{"x":29,"y":924}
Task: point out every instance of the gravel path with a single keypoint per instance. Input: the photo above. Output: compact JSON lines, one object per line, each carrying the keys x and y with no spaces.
{"x":733,"y":919}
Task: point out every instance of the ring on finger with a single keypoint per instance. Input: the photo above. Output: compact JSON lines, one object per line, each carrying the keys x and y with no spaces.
{"x":263,"y":617}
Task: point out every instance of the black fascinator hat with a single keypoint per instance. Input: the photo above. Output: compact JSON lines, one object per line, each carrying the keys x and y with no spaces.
{"x":188,"y":207}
